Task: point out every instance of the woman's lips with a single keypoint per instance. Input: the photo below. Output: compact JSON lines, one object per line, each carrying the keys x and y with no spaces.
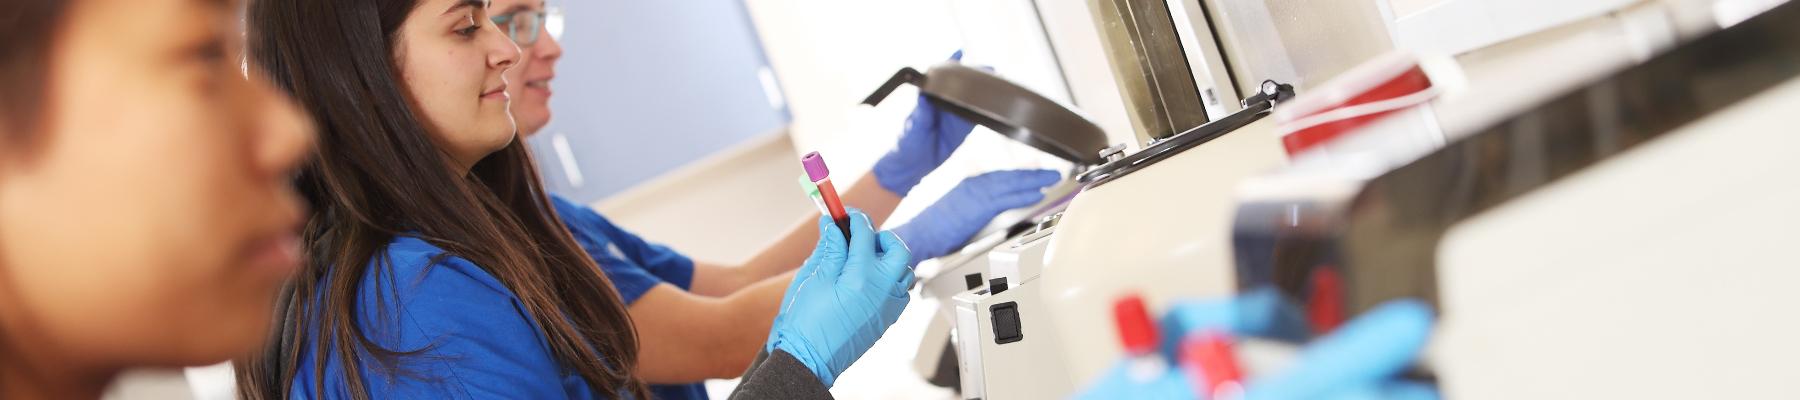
{"x":542,"y":86}
{"x":278,"y":253}
{"x":496,"y":93}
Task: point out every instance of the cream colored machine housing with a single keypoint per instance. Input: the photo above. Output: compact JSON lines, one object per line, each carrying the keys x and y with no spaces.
{"x":1009,"y":327}
{"x":1165,"y":231}
{"x":1162,"y":232}
{"x":1684,"y":257}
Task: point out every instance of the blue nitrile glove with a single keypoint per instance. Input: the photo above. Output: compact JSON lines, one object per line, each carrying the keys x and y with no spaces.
{"x":1263,"y":313}
{"x":928,"y":138}
{"x":944,"y":226}
{"x":843,"y":298}
{"x":1357,"y":361}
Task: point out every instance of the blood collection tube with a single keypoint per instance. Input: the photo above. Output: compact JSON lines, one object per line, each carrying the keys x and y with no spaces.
{"x":821,"y":177}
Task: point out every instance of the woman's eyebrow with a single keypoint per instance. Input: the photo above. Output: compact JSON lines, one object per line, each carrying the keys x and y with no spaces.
{"x":461,"y":4}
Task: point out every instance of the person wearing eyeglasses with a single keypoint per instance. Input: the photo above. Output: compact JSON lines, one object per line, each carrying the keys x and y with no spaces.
{"x":698,"y":320}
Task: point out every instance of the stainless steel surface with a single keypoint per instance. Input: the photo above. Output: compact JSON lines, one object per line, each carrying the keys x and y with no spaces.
{"x":1113,"y":153}
{"x":1255,"y":107}
{"x":1077,"y":42}
{"x":1007,"y":108}
{"x":1149,"y":63}
{"x":1206,"y":60}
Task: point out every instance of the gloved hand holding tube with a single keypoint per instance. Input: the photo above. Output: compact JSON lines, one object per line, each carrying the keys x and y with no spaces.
{"x":1359,"y":360}
{"x":843,"y":298}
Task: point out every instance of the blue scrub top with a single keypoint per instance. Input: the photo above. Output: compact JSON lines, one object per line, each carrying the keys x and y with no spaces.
{"x":474,"y":337}
{"x":633,"y":265}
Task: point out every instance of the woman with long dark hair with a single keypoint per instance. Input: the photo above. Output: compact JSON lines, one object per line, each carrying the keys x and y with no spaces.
{"x":146,"y":213}
{"x":435,"y":264}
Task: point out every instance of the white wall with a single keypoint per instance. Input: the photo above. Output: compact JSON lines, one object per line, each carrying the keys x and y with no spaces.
{"x":830,"y":54}
{"x":721,"y":209}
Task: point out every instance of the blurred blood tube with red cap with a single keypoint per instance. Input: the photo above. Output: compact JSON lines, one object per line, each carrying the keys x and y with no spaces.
{"x":1209,"y":356}
{"x":1137,"y":333}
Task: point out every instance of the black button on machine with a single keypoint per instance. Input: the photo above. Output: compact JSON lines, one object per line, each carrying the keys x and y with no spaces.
{"x":1007,"y":328}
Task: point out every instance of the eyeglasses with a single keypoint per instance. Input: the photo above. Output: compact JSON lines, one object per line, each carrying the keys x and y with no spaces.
{"x":524,"y":26}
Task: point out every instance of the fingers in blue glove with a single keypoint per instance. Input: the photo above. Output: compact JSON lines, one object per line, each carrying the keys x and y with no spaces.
{"x":1409,"y":391}
{"x":953,"y":128}
{"x":1397,"y":390}
{"x":896,"y":262}
{"x":829,"y":254}
{"x":1118,"y":383}
{"x":862,"y":245}
{"x":1017,"y":188}
{"x":1369,"y":349}
{"x":827,"y":232}
{"x":829,"y":241}
{"x":1357,"y":361}
{"x":958,"y":58}
{"x":1261,"y":313}
{"x":833,"y":252}
{"x":1017,"y":179}
{"x":950,"y":222}
{"x":831,"y":249}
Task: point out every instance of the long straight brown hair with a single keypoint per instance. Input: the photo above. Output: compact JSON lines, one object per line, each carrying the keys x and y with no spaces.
{"x":27,"y":31}
{"x":378,"y":175}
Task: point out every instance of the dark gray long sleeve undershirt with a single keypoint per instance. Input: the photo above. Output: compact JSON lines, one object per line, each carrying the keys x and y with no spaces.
{"x":779,"y":376}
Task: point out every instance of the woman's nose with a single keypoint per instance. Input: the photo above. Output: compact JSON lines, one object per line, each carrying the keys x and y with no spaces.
{"x":285,"y":134}
{"x":546,"y":46}
{"x":503,"y":52}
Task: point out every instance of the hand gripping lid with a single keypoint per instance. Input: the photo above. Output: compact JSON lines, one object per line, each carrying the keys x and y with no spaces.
{"x":1012,"y":110}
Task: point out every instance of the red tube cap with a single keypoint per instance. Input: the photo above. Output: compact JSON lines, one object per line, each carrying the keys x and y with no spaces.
{"x":1136,"y":331}
{"x":1209,"y":354}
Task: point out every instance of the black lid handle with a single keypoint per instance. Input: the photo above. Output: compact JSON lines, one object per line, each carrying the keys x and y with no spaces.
{"x":904,"y":75}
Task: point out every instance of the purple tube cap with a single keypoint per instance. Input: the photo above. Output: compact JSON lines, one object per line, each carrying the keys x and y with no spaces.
{"x":815,"y":167}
